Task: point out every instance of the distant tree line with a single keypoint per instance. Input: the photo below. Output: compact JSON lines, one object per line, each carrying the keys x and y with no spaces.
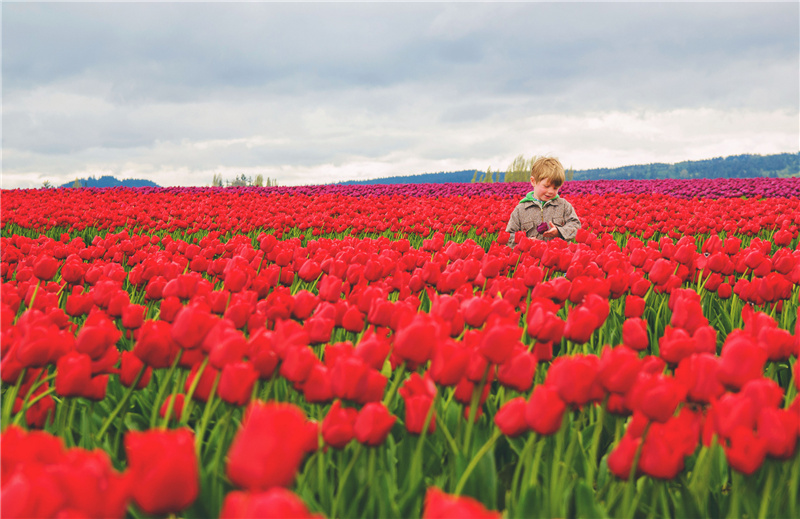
{"x":734,"y":166}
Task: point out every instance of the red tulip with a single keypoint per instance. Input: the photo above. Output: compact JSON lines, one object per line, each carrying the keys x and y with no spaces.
{"x":373,"y":424}
{"x":634,"y":333}
{"x":268,"y":448}
{"x":130,"y":367}
{"x":581,"y":323}
{"x":742,"y":359}
{"x":337,"y":427}
{"x":155,"y":346}
{"x":545,"y":410}
{"x":449,"y":362}
{"x":518,"y":371}
{"x":510,"y":418}
{"x":746,"y":451}
{"x":698,"y":373}
{"x":779,"y":429}
{"x":177,"y":407}
{"x":620,"y":460}
{"x":192,"y":324}
{"x":634,"y":306}
{"x":498,"y":340}
{"x":575,"y":379}
{"x":439,"y":505}
{"x":275,"y":502}
{"x":618,"y":369}
{"x":45,"y":267}
{"x":236,"y":382}
{"x":163,"y":469}
{"x":416,"y":341}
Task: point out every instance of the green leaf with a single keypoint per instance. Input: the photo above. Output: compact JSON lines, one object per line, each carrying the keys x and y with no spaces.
{"x":585,"y":504}
{"x":530,"y":503}
{"x":136,"y":422}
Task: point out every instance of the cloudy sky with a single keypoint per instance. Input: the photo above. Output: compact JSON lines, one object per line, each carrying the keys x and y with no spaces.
{"x":310,"y":93}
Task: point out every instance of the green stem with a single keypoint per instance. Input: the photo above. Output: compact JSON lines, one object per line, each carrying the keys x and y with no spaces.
{"x":69,"y":438}
{"x":35,"y":291}
{"x":736,"y":494}
{"x":537,"y":460}
{"x":400,"y":371}
{"x":766,"y":494}
{"x":209,"y":408}
{"x":522,"y":461}
{"x":449,"y":437}
{"x":218,"y":454}
{"x":371,"y":478}
{"x":564,"y":474}
{"x":416,"y":470}
{"x":343,"y":480}
{"x":631,"y":483}
{"x":187,"y":401}
{"x":475,"y":459}
{"x":128,"y":392}
{"x":10,"y":397}
{"x":473,"y":407}
{"x":794,"y":482}
{"x":29,"y":404}
{"x":162,"y":389}
{"x":598,"y":429}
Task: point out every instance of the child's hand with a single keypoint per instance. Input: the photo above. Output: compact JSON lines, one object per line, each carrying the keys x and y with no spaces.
{"x":552,"y":232}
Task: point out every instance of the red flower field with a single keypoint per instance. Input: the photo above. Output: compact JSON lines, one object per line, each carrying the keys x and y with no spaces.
{"x":379,"y":351}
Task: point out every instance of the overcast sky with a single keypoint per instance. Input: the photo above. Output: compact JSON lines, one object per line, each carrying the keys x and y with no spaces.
{"x":314,"y":93}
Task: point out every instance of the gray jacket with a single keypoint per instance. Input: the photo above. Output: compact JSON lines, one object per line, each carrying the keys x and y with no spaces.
{"x":529,"y":214}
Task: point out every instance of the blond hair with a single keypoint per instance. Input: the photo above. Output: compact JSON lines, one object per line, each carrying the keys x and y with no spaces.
{"x":549,"y":168}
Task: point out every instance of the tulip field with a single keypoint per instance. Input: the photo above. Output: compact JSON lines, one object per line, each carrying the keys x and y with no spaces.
{"x":380,"y":351}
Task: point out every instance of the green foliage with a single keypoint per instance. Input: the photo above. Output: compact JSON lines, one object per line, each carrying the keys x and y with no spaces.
{"x":243,"y":181}
{"x":520,"y":169}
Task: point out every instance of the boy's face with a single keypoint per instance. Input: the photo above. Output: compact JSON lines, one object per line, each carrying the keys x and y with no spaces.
{"x":544,"y":189}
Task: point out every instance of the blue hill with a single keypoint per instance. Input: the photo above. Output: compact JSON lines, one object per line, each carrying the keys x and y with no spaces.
{"x":464,"y":176}
{"x":109,"y":181}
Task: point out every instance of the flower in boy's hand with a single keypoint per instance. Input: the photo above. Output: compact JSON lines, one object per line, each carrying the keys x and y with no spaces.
{"x":543,"y":227}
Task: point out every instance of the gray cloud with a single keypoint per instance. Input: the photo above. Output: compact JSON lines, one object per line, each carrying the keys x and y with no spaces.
{"x":155,"y":87}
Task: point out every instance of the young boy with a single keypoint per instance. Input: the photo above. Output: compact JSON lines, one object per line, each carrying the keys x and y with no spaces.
{"x":542,"y":214}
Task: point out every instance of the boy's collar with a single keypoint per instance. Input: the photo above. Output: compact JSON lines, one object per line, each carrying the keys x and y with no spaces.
{"x":530,"y":197}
